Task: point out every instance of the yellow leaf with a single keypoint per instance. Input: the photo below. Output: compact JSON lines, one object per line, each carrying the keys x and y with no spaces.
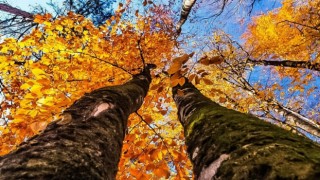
{"x":29,"y":96}
{"x":36,"y":89}
{"x":25,"y":86}
{"x":48,"y":101}
{"x":59,"y":28}
{"x":25,"y":103}
{"x":38,"y":72}
{"x":33,"y":113}
{"x":50,"y":91}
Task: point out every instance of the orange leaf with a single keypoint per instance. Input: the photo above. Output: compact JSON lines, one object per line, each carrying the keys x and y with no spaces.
{"x":177,"y":63}
{"x":160,"y":89}
{"x":150,"y":167}
{"x":156,"y":154}
{"x":174,"y":80}
{"x":136,"y":173}
{"x":207,"y":81}
{"x":182,"y":80}
{"x":222,"y":100}
{"x":197,"y":79}
{"x":37,"y":126}
{"x":174,"y":67}
{"x":145,"y":2}
{"x":211,"y":60}
{"x":162,"y":172}
{"x":148,"y":119}
{"x":180,"y":92}
{"x":184,"y":58}
{"x":191,"y":77}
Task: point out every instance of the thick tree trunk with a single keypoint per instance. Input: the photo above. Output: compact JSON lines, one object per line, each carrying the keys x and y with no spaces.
{"x":226,"y":144}
{"x":86,"y":143}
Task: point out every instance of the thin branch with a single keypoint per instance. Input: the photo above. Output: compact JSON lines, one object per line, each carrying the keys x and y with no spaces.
{"x":112,"y":64}
{"x":304,"y":25}
{"x":141,"y":53}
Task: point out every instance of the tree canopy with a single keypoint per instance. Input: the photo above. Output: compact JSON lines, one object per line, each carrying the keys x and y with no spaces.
{"x":272,"y":74}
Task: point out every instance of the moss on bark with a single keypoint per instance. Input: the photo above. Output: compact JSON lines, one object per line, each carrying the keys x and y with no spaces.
{"x":226,"y":144}
{"x":86,"y":143}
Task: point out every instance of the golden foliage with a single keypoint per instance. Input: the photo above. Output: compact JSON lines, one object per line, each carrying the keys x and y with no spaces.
{"x":64,"y":58}
{"x":286,"y":33}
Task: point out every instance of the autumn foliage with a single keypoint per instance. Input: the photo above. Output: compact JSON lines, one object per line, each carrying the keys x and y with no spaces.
{"x":64,"y":58}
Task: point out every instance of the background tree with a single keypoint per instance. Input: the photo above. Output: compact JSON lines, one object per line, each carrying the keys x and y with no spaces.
{"x":66,"y":149}
{"x":98,"y":10}
{"x":277,"y":100}
{"x":226,"y":144}
{"x":17,"y":22}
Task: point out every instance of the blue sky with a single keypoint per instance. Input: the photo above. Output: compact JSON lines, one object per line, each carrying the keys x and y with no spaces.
{"x":26,"y":4}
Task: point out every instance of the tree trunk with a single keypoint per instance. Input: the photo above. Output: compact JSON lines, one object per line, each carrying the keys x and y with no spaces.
{"x":86,"y":143}
{"x":226,"y":144}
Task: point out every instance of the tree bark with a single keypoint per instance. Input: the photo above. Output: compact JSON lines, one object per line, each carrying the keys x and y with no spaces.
{"x":226,"y":144}
{"x":86,"y":142}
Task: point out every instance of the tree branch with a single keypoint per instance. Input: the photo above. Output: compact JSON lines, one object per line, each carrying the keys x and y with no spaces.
{"x":15,"y":11}
{"x":186,"y":8}
{"x":287,"y":63}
